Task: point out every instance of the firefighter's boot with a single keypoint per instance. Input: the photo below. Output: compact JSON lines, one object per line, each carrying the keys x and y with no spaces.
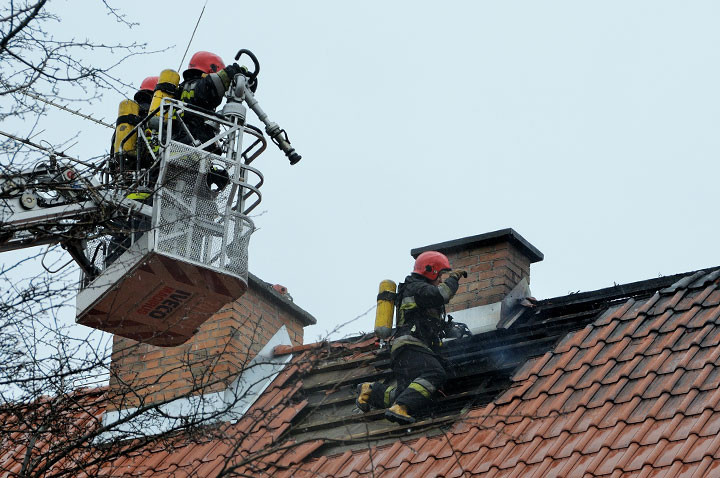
{"x":399,"y":414}
{"x":363,"y":399}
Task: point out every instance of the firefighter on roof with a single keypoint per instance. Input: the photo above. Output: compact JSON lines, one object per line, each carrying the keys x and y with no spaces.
{"x":419,"y":372}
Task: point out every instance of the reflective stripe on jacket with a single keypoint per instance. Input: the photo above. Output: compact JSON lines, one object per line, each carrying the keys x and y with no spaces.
{"x":206,"y":92}
{"x":138,"y":196}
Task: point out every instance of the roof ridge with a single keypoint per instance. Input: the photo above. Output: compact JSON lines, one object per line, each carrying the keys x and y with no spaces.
{"x":693,"y":280}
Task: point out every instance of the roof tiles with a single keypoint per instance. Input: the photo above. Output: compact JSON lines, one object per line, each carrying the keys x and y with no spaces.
{"x":633,"y":394}
{"x":629,"y":386}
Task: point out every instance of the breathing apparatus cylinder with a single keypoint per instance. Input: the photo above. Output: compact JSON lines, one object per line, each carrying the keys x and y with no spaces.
{"x":166,"y":87}
{"x":385,"y":309}
{"x":128,"y":118}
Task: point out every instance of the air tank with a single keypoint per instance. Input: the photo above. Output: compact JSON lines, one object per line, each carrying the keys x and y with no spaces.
{"x":128,"y":118}
{"x":385,"y":309}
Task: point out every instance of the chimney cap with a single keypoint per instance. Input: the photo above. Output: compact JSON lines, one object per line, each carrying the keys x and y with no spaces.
{"x":267,"y":290}
{"x":509,"y":235}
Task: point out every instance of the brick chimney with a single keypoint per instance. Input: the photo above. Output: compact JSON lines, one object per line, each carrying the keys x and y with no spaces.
{"x":495,"y":262}
{"x":143,"y":374}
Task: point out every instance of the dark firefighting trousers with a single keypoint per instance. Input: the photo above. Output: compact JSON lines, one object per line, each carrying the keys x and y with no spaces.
{"x":419,"y":374}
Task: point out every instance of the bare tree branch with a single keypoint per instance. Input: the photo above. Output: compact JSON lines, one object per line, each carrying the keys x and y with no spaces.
{"x":7,"y":37}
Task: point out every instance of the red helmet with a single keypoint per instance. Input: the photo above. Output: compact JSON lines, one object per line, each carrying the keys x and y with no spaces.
{"x":148,"y":84}
{"x":430,"y":264}
{"x":205,"y":62}
{"x":147,"y":87}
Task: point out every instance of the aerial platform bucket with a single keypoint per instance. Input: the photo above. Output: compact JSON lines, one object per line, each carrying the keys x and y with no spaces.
{"x":190,"y":260}
{"x":155,"y":298}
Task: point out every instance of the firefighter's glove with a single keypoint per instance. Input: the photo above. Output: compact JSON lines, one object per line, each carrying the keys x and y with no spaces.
{"x":235,"y":69}
{"x":458,"y":273}
{"x":457,"y":330}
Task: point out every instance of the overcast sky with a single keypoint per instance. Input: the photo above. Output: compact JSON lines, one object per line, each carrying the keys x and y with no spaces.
{"x":591,"y":128}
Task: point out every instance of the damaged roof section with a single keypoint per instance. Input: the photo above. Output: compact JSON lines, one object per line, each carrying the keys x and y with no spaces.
{"x":617,"y":382}
{"x":481,"y":369}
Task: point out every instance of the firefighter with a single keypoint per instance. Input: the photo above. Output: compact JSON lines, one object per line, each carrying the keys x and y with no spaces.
{"x":136,"y":225}
{"x":417,"y":367}
{"x":205,"y":82}
{"x":143,"y":96}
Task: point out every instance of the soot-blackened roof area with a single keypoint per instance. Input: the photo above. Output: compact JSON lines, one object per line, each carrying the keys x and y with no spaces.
{"x":481,"y":369}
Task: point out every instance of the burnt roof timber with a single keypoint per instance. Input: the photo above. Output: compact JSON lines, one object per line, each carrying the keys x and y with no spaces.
{"x":617,"y":292}
{"x":493,"y":361}
{"x":337,"y":377}
{"x":377,"y":431}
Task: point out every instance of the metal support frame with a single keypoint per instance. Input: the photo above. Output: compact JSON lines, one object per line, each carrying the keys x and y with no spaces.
{"x":187,"y":238}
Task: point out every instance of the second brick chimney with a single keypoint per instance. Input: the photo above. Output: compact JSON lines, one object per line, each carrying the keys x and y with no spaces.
{"x":143,"y":374}
{"x":495,"y":262}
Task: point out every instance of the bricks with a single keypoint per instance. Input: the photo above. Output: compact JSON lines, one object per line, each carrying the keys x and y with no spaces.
{"x":495,"y":262}
{"x":143,"y":374}
{"x":493,"y":271}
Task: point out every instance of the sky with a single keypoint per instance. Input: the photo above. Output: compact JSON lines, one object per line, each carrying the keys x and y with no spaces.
{"x":591,"y":128}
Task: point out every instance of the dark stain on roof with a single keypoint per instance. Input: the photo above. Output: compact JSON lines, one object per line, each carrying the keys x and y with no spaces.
{"x":481,"y":368}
